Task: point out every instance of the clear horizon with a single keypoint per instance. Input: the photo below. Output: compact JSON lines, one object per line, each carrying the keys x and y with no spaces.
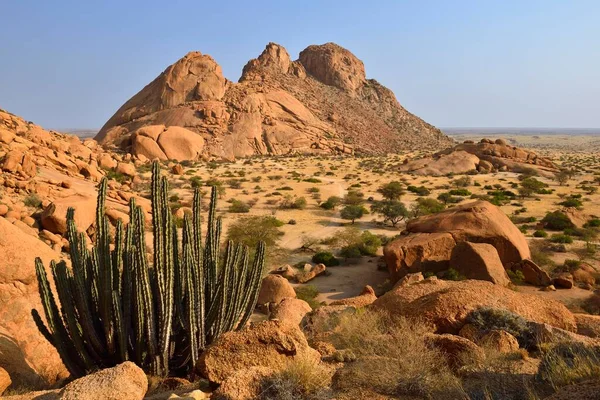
{"x":464,"y":64}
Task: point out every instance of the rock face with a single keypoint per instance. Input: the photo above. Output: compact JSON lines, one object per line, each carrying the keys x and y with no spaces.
{"x":290,"y":311}
{"x":5,"y":380}
{"x":24,"y":352}
{"x":428,"y":242}
{"x":125,"y":381}
{"x":244,"y":384}
{"x":268,"y":344}
{"x":321,"y":103}
{"x":366,"y":297}
{"x":446,"y":304}
{"x":479,"y":261}
{"x":485,"y":156}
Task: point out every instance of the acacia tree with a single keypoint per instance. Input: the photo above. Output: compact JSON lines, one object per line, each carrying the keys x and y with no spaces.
{"x":392,"y":190}
{"x":352,"y":212}
{"x":393,"y":211}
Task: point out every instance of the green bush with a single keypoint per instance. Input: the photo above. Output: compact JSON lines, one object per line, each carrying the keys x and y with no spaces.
{"x":561,"y":238}
{"x":459,"y":192}
{"x":540,"y":233}
{"x":326,"y":258}
{"x":487,"y":319}
{"x":33,"y":200}
{"x":569,"y":363}
{"x":557,"y":221}
{"x":238,"y":206}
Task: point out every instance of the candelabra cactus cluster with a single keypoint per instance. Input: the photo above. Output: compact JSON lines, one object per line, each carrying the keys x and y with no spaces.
{"x":113,"y":306}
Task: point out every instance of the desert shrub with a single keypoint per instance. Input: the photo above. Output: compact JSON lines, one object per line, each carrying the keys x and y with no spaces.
{"x":111,"y":174}
{"x":331,"y":203}
{"x":516,"y":277}
{"x":487,"y":319}
{"x":419,"y":191}
{"x":561,"y":238}
{"x":459,"y":192}
{"x":557,"y":221}
{"x":253,"y":229}
{"x":569,"y":363}
{"x":308,"y":293}
{"x":238,"y":206}
{"x":392,"y":190}
{"x":426,"y":206}
{"x":354,"y":197}
{"x":234,"y":183}
{"x":364,"y":244}
{"x":196,"y":181}
{"x":301,"y":379}
{"x":384,"y":366}
{"x":453,"y":275}
{"x":292,"y":222}
{"x":293,"y":203}
{"x":540,"y":233}
{"x":571,"y":202}
{"x":447,"y":198}
{"x":592,"y":304}
{"x":592,"y":223}
{"x":312,"y":180}
{"x":326,"y":258}
{"x":464,"y":181}
{"x":33,"y":200}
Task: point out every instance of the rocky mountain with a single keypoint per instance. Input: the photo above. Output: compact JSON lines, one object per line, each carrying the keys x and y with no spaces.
{"x":320,"y":103}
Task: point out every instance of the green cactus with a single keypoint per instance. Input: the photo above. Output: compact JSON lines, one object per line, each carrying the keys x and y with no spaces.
{"x":114,"y":306}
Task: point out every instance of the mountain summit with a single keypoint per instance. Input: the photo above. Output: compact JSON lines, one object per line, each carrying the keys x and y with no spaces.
{"x":320,"y":103}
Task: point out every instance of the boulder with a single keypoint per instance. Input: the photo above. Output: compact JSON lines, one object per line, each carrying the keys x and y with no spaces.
{"x":270,"y":344}
{"x":181,"y":144}
{"x":588,"y":325}
{"x":106,"y":161}
{"x":126,"y":169}
{"x":458,"y":162}
{"x":479,"y":261}
{"x":446,"y":304}
{"x":367,"y":296}
{"x":427,"y":242}
{"x":414,"y":253}
{"x":125,"y":381}
{"x":290,"y":311}
{"x":147,"y":147}
{"x":275,"y":288}
{"x":287,"y":271}
{"x":532,"y":273}
{"x":54,"y":217}
{"x":310,"y":273}
{"x":24,"y":353}
{"x":245,"y":384}
{"x":457,"y":350}
{"x":499,"y":340}
{"x":409,"y":279}
{"x":563,"y":281}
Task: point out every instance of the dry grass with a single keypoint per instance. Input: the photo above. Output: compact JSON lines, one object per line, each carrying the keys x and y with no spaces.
{"x":570,"y":363}
{"x":302,"y":379}
{"x":392,"y":358}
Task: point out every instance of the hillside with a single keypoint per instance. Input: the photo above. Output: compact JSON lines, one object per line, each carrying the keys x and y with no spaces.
{"x":321,"y":103}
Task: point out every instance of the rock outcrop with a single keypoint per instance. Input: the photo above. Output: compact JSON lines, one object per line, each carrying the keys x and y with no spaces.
{"x":479,"y":261}
{"x":270,"y":344}
{"x":24,"y":353}
{"x":321,"y":103}
{"x":275,"y":288}
{"x":446,"y":304}
{"x":428,"y":242}
{"x":485,"y":156}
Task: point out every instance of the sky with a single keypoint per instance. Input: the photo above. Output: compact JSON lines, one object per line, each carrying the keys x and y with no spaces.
{"x":497,"y":63}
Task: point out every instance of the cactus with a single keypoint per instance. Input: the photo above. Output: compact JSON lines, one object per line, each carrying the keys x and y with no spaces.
{"x":114,"y":306}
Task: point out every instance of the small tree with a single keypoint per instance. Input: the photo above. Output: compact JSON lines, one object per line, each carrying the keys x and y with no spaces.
{"x":352,"y":212}
{"x":425,"y":206}
{"x":392,"y":190}
{"x":331,"y":203}
{"x":354,"y":197}
{"x":562,"y":177}
{"x":393,"y":211}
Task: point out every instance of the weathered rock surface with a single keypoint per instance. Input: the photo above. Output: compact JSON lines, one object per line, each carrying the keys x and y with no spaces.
{"x":456,"y":349}
{"x":244,"y":384}
{"x":367,"y":296}
{"x":125,"y":381}
{"x":588,"y":325}
{"x":485,"y":156}
{"x":290,"y":311}
{"x":499,"y":340}
{"x":479,"y":261}
{"x":321,"y":103}
{"x":275,"y":288}
{"x":427,"y":242}
{"x":446,"y":304}
{"x":54,"y":217}
{"x":268,"y":344}
{"x":24,"y":352}
{"x":5,"y":380}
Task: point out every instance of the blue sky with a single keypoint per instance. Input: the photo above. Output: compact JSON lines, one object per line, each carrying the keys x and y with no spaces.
{"x":511,"y":63}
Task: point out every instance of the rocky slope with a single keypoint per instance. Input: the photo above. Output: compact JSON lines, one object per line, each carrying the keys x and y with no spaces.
{"x":321,"y":103}
{"x":485,"y":156}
